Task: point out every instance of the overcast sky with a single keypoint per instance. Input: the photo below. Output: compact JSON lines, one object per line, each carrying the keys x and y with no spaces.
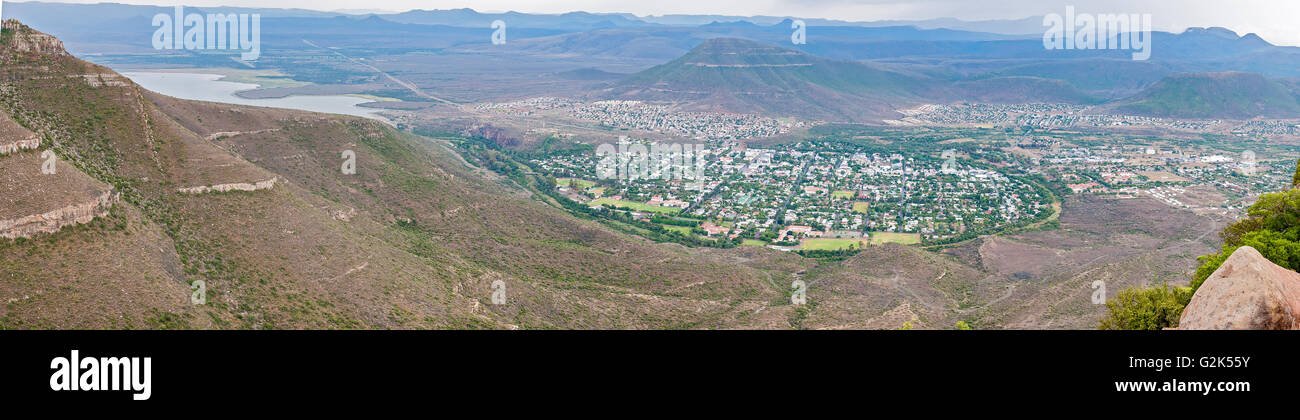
{"x":1277,"y":21}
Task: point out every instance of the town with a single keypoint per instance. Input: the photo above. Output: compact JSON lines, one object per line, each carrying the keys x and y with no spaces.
{"x":949,"y":173}
{"x":650,"y":117}
{"x":829,"y":195}
{"x":1040,"y":116}
{"x":813,"y":195}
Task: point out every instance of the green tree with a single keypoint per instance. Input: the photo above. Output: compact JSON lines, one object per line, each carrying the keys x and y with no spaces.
{"x":1295,"y":179}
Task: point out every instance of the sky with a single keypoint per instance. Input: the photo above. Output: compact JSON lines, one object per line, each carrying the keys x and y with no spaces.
{"x":1277,"y":21}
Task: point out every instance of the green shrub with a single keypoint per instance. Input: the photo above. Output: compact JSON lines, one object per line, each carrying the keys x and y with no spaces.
{"x":1150,"y":308}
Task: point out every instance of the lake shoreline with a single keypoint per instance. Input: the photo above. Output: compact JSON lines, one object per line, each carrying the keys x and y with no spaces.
{"x":212,"y":87}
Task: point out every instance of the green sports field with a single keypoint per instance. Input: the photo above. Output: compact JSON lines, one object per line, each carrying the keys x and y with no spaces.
{"x":895,"y":237}
{"x":680,"y":229}
{"x":632,"y":205}
{"x":831,"y":244}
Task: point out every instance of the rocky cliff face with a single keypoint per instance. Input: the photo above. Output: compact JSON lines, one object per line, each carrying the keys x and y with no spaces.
{"x":33,"y":203}
{"x":31,"y":42}
{"x":15,"y":138}
{"x":1246,"y":292}
{"x":53,"y":220}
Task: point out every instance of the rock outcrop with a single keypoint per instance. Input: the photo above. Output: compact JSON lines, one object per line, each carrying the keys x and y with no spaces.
{"x":30,"y":143}
{"x":15,"y":138}
{"x":33,"y":202}
{"x":236,"y":186}
{"x":1246,"y":292}
{"x":25,"y":40}
{"x":102,"y":79}
{"x":53,"y":220}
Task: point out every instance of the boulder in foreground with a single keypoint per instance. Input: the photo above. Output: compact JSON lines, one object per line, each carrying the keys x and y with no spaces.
{"x":1248,"y":292}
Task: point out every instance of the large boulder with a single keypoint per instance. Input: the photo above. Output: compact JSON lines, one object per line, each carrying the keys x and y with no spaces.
{"x":1248,"y":292}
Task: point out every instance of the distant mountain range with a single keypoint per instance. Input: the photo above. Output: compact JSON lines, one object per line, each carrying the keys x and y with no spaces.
{"x":465,"y":17}
{"x":1027,"y":26}
{"x":472,"y":18}
{"x":848,"y":70}
{"x":739,"y":75}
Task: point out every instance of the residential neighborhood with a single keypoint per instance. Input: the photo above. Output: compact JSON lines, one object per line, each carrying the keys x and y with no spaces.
{"x":809,"y":190}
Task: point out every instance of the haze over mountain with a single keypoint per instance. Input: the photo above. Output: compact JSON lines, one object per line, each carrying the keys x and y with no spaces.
{"x":738,"y":75}
{"x":971,"y":62}
{"x":1025,"y":26}
{"x":475,"y":19}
